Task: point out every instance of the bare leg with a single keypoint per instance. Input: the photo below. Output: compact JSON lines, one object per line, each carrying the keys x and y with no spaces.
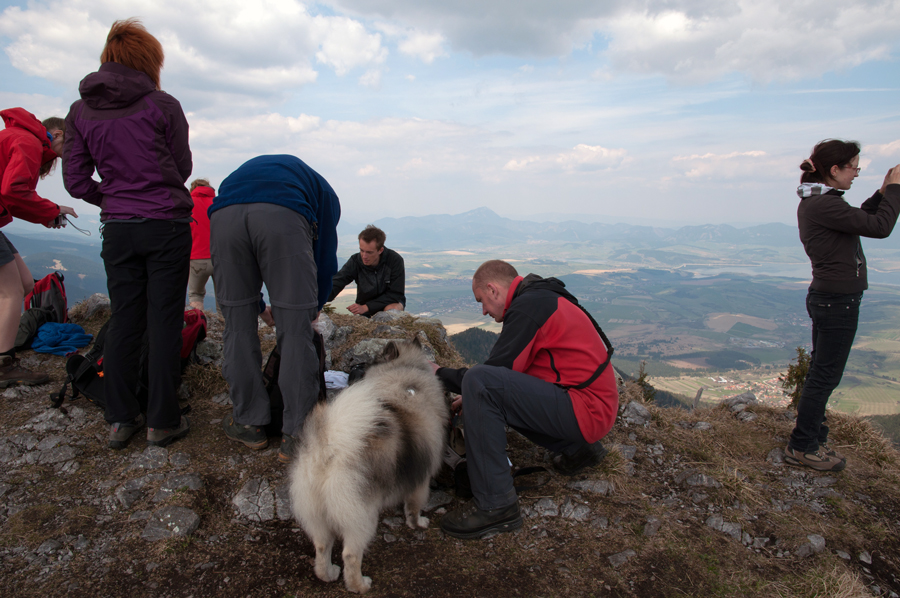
{"x":12,"y":293}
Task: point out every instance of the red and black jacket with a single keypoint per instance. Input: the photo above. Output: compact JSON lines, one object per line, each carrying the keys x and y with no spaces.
{"x":546,"y":334}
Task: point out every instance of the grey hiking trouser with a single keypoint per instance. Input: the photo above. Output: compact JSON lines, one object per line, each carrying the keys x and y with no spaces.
{"x":495,"y":397}
{"x":256,"y":243}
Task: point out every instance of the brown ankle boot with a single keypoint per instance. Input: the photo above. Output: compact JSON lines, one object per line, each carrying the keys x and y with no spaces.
{"x":11,"y":374}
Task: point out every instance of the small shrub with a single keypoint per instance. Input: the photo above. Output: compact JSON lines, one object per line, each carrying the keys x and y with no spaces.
{"x":792,"y":381}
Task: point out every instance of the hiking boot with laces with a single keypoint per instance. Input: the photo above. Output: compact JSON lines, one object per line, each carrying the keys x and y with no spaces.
{"x":166,"y":436}
{"x":831,"y":452}
{"x":289,"y":446}
{"x":253,"y":437}
{"x":587,"y":456}
{"x":817,"y":460}
{"x":121,"y":432}
{"x":12,"y":374}
{"x":470,"y":522}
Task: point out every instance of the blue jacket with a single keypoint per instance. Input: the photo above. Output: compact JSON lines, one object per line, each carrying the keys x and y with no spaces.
{"x":287,"y":181}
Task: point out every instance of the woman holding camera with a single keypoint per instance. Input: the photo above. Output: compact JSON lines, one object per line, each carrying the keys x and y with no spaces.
{"x":830,"y":229}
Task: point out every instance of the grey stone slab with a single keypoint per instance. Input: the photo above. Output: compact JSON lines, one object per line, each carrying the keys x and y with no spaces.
{"x":170,"y":522}
{"x":255,"y":500}
{"x":283,"y":501}
{"x":153,"y":457}
{"x":546,"y":507}
{"x":601,"y":487}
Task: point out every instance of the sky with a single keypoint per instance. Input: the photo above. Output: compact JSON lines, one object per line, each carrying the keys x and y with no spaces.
{"x":661,"y":112}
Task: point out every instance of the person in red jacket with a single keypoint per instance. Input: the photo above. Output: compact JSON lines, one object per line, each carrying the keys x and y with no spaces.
{"x":28,"y":151}
{"x":547,"y":377}
{"x":201,"y":264}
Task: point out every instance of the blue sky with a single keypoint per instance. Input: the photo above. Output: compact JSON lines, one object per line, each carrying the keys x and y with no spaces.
{"x":665,"y":112}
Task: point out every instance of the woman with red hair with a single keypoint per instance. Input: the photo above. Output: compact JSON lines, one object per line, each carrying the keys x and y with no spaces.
{"x":136,"y":138}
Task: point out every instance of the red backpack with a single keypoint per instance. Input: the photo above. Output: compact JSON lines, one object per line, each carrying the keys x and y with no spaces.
{"x":50,"y":292}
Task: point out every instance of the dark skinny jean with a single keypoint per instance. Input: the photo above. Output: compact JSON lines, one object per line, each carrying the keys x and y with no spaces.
{"x":834,"y":321}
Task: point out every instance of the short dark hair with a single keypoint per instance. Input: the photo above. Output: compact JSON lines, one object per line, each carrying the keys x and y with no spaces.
{"x":129,"y":44}
{"x":373,"y":233}
{"x":494,"y":271}
{"x":827,"y":153}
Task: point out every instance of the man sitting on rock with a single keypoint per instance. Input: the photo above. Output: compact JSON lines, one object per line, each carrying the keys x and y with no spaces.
{"x":548,"y":377}
{"x":379,"y":275}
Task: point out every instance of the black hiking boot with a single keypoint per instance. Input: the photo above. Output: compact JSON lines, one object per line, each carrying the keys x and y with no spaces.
{"x":253,"y":437}
{"x":470,"y":522}
{"x":587,"y":456}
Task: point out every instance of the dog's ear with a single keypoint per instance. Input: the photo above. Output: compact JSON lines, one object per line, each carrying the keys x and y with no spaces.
{"x":415,"y":342}
{"x":390,"y":352}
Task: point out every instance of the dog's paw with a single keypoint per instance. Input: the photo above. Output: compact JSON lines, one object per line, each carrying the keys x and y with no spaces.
{"x":414,"y":521}
{"x":363,"y":587}
{"x":330,"y":573}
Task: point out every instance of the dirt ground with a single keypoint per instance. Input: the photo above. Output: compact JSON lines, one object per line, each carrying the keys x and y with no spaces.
{"x":643,"y":523}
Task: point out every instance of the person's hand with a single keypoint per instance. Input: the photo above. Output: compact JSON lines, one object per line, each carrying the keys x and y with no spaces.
{"x":267,"y":317}
{"x":891,"y":178}
{"x":67,"y":211}
{"x":434,"y":367}
{"x":358,"y":309}
{"x":456,"y":405}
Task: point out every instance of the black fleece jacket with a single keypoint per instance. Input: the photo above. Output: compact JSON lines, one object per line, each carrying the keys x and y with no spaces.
{"x":376,"y":287}
{"x":830,"y":229}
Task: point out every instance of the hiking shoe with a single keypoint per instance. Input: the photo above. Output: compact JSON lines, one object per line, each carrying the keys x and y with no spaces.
{"x":12,"y":374}
{"x":471,"y":522}
{"x":165,"y":437}
{"x":121,"y":432}
{"x":252,"y":436}
{"x":817,"y":460}
{"x":826,"y":448}
{"x":289,"y":446}
{"x":587,"y":456}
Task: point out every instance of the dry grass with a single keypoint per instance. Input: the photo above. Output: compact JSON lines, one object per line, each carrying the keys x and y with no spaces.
{"x":824,"y":582}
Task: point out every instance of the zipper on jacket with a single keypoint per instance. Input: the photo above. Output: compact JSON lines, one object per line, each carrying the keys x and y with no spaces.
{"x":858,"y":260}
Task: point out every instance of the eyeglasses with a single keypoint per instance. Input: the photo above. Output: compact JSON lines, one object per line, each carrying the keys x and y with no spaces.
{"x":851,"y":168}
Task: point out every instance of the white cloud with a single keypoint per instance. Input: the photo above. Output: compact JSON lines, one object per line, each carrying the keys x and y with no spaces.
{"x":371,"y":79}
{"x":424,"y":46}
{"x":727,"y":166}
{"x":368,"y":170}
{"x":220,"y":45}
{"x":581,"y":158}
{"x":685,"y":40}
{"x":522,"y":164}
{"x":883,"y":149}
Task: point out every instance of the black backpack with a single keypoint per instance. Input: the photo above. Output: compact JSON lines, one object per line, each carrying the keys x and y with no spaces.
{"x":270,"y":378}
{"x":85,"y":372}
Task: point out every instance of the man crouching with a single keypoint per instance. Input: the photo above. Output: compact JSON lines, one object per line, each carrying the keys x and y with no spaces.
{"x":547,"y":377}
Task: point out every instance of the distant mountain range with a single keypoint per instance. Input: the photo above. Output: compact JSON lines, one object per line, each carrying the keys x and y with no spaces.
{"x":484,"y":228}
{"x":78,"y":262}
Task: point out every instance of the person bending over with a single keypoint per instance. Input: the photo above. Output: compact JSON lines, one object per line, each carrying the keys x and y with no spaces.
{"x":379,"y":275}
{"x":548,"y":376}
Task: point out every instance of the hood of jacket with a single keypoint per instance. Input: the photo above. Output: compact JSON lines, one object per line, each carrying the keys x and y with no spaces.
{"x":23,"y":119}
{"x":114,"y":86}
{"x":202,"y":191}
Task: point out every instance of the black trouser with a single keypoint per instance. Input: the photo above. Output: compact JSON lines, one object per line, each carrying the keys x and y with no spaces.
{"x":147,"y":267}
{"x":834,"y":320}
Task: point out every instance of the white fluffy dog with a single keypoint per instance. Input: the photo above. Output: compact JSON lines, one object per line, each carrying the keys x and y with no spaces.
{"x":378,"y":443}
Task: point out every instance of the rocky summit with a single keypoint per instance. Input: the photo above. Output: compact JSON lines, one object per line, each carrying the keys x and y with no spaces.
{"x":687,"y":503}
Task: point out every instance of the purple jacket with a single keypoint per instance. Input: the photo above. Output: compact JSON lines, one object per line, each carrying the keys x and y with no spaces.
{"x":136,"y":137}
